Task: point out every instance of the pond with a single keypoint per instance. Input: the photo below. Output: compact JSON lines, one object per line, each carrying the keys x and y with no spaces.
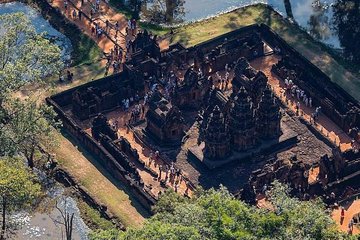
{"x":315,"y":16}
{"x":46,"y":222}
{"x":41,"y":25}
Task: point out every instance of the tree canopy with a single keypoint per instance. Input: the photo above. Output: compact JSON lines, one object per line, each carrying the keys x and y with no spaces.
{"x":346,"y":22}
{"x":25,"y":58}
{"x":216,"y":214}
{"x":17,"y":188}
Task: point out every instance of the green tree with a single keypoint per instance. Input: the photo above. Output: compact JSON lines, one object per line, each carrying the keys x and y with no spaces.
{"x":346,"y":22}
{"x":25,"y":58}
{"x":17,"y":189}
{"x":216,"y":214}
{"x":28,"y":124}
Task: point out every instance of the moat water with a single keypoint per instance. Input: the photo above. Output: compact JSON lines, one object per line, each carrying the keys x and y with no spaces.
{"x":41,"y":25}
{"x":315,"y":16}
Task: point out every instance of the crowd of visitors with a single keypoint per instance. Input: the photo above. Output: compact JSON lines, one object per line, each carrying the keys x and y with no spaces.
{"x":95,"y":14}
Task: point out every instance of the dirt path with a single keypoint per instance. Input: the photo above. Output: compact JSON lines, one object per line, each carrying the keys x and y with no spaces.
{"x":108,"y":40}
{"x":98,"y":182}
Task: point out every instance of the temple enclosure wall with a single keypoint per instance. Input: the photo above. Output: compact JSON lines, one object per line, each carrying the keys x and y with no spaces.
{"x":106,"y":159}
{"x":338,"y":105}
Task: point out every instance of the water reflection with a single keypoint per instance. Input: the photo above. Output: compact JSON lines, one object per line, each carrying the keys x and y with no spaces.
{"x":317,"y":17}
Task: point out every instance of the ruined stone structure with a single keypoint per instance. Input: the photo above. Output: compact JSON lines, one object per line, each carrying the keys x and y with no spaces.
{"x":338,"y":105}
{"x":191,"y":91}
{"x":246,"y":123}
{"x":293,"y":172}
{"x":339,"y":167}
{"x":217,"y":136}
{"x":253,"y":81}
{"x":242,"y":122}
{"x":100,"y":125}
{"x":268,"y":115}
{"x":238,"y":122}
{"x":106,"y":94}
{"x":164,"y":121}
{"x":144,"y":46}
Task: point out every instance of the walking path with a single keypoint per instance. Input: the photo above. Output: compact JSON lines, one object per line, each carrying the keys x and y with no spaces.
{"x":152,"y":184}
{"x":323,"y":124}
{"x":144,"y":154}
{"x":108,"y":40}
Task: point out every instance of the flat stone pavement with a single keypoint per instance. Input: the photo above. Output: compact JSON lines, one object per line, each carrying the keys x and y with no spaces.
{"x":105,"y":12}
{"x":324,"y":125}
{"x":152,"y":184}
{"x":351,"y":209}
{"x":144,"y":155}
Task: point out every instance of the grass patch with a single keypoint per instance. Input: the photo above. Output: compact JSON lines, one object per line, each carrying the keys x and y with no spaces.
{"x":154,"y":28}
{"x":121,"y":8}
{"x":87,"y":171}
{"x":92,"y":217}
{"x":85,"y":50}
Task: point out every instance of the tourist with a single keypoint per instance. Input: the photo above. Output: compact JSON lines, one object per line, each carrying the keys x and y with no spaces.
{"x":342,"y":215}
{"x":306,"y":101}
{"x":264,"y":189}
{"x":80,"y":15}
{"x":65,"y":5}
{"x":127,"y":103}
{"x":99,"y":32}
{"x":97,"y":5}
{"x":107,"y":23}
{"x":166,"y":173}
{"x":351,"y":224}
{"x":160,"y":170}
{"x":117,"y":28}
{"x":286,"y":84}
{"x":310,"y":102}
{"x":93,"y":30}
{"x":176,"y":188}
{"x":74,"y":15}
{"x":298,"y":93}
{"x":69,"y":76}
{"x":297,"y":108}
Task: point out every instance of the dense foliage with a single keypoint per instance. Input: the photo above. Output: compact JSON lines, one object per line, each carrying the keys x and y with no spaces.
{"x":216,"y":214}
{"x":26,"y":58}
{"x":346,"y":22}
{"x":17,"y":189}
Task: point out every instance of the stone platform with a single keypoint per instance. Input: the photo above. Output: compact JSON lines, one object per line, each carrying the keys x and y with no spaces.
{"x":287,"y":139}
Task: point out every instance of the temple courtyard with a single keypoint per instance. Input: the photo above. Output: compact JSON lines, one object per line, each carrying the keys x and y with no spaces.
{"x":216,"y":113}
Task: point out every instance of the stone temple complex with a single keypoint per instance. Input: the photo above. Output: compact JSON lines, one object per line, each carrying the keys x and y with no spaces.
{"x":241,"y":110}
